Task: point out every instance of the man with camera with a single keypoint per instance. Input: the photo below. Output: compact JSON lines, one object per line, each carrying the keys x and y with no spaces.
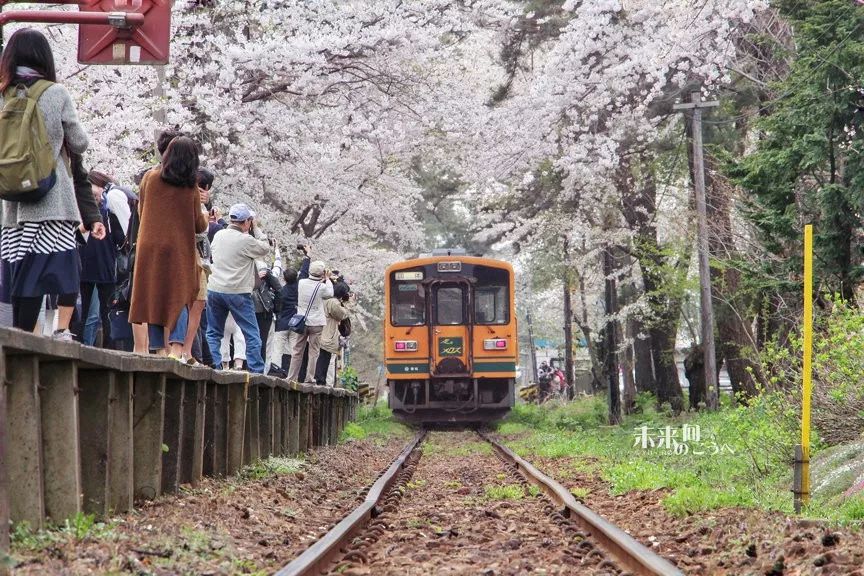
{"x":232,"y":279}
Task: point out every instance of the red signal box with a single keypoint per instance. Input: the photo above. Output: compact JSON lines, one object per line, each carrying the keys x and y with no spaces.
{"x":148,"y":43}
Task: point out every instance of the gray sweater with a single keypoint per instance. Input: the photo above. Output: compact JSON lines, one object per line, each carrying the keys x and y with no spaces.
{"x":61,"y":122}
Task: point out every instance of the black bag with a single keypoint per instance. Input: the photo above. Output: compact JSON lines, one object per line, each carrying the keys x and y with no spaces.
{"x":126,"y":253}
{"x":345,"y":327}
{"x":264,"y":296}
{"x":297,"y":323}
{"x":121,"y":297}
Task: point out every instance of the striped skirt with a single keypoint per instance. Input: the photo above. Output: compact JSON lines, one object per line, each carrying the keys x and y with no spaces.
{"x":39,"y":258}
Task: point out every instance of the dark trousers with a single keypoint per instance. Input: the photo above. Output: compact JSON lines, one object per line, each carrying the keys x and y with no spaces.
{"x":286,"y":361}
{"x":105,"y":291}
{"x":322,"y":366}
{"x":200,"y":348}
{"x":265,"y":320}
{"x":25,"y":310}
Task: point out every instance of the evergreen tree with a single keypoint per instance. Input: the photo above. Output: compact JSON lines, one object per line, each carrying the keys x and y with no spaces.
{"x":807,"y":165}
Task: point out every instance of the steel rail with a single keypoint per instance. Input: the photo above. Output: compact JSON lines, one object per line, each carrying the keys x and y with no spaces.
{"x":627,"y":551}
{"x":318,"y":558}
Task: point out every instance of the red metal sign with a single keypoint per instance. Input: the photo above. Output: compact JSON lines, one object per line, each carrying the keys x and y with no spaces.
{"x":145,"y":44}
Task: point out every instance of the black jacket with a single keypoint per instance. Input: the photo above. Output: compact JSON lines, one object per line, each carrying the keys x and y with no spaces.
{"x":287,"y":306}
{"x":269,"y":283}
{"x":90,"y":213}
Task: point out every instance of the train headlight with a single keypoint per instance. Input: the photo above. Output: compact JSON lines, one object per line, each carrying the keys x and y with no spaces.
{"x":495,"y":344}
{"x":406,"y":346}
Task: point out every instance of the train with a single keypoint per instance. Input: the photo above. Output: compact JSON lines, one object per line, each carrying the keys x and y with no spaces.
{"x":450,"y":338}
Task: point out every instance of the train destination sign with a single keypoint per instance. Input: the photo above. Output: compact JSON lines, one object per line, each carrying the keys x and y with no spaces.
{"x":409,"y":275}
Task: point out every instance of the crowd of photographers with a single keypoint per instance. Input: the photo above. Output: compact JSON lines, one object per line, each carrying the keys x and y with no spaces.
{"x":159,"y":269}
{"x":136,"y":279}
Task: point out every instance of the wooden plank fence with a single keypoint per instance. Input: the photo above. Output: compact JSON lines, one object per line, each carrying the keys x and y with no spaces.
{"x":94,"y":431}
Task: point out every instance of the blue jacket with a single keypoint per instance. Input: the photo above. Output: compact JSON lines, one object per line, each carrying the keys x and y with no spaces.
{"x":288,"y":298}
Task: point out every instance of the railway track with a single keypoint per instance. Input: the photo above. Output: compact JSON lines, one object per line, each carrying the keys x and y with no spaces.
{"x":472,"y":505}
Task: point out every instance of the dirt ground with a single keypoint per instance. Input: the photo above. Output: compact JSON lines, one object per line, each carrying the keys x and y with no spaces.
{"x":463,"y":513}
{"x":222,"y":526}
{"x":727,"y":542}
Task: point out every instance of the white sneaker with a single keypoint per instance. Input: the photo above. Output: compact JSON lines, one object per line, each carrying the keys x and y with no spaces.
{"x":63,"y":336}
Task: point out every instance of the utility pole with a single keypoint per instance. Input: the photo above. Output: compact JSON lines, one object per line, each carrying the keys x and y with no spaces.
{"x":611,"y":339}
{"x":707,"y":310}
{"x":568,"y":323}
{"x":533,"y":349}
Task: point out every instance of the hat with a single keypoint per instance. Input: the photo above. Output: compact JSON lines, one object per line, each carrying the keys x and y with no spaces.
{"x":240,"y":213}
{"x":316,"y":268}
{"x":99,"y":179}
{"x":261,"y":265}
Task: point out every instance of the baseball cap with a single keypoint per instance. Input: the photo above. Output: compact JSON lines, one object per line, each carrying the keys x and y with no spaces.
{"x":240,"y":213}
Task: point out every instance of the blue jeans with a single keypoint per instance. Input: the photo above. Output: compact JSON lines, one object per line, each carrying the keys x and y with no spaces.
{"x":92,"y":322}
{"x":177,"y":336}
{"x":241,"y":307}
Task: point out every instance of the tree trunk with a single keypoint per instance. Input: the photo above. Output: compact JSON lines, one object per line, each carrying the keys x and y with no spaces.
{"x":736,"y":343}
{"x":694,"y":370}
{"x":629,"y":383}
{"x":610,"y":333}
{"x":643,"y":362}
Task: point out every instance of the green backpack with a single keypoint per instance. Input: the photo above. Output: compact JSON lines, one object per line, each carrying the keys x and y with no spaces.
{"x":27,"y":162}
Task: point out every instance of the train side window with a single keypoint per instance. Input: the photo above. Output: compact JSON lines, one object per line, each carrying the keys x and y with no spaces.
{"x":449,"y":306}
{"x":407,"y":304}
{"x":490,"y":305}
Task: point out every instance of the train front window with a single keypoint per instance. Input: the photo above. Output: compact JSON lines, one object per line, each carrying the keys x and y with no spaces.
{"x":407,"y":304}
{"x":491,"y":296}
{"x":449,"y":305}
{"x":490,"y":305}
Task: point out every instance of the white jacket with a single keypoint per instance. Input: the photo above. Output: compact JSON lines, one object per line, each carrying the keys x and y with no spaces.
{"x":305,"y":289}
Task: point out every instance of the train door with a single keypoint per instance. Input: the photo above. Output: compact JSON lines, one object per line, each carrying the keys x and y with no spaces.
{"x":450,"y":329}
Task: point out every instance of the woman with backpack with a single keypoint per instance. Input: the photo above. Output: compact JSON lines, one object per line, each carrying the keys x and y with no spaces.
{"x":39,"y":209}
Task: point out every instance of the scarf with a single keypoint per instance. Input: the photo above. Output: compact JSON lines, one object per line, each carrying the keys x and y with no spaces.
{"x":26,"y":73}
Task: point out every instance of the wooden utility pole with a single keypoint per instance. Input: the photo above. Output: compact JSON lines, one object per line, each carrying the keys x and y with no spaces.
{"x":707,"y":310}
{"x":611,"y":338}
{"x":533,"y":349}
{"x":568,"y":323}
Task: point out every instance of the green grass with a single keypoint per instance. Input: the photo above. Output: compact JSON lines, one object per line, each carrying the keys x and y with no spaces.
{"x":271,"y":467}
{"x":748,"y":464}
{"x":78,"y":528}
{"x":376,"y":423}
{"x":434,"y":447}
{"x":506,"y":492}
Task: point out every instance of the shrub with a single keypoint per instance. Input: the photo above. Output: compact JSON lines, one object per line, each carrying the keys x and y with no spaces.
{"x":838,"y":363}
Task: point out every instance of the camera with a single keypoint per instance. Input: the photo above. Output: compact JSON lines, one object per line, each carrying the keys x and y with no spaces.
{"x":301,"y":248}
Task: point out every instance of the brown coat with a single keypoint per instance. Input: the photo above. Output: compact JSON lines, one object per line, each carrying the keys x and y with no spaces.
{"x":166,"y":276}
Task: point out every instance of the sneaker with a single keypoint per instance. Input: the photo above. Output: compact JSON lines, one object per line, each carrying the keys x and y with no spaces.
{"x":192,"y":361}
{"x":63,"y":336}
{"x":277,"y":371}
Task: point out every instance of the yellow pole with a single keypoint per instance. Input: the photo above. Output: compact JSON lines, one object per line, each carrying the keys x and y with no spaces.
{"x":807,"y":368}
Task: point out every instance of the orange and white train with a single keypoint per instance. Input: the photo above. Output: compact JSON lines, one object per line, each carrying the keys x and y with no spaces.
{"x":450,"y":338}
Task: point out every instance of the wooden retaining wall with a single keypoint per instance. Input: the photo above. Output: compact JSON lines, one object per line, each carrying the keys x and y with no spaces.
{"x":94,"y":431}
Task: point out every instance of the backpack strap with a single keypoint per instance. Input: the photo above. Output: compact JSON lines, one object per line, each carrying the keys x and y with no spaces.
{"x":34,"y":92}
{"x":38,"y":88}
